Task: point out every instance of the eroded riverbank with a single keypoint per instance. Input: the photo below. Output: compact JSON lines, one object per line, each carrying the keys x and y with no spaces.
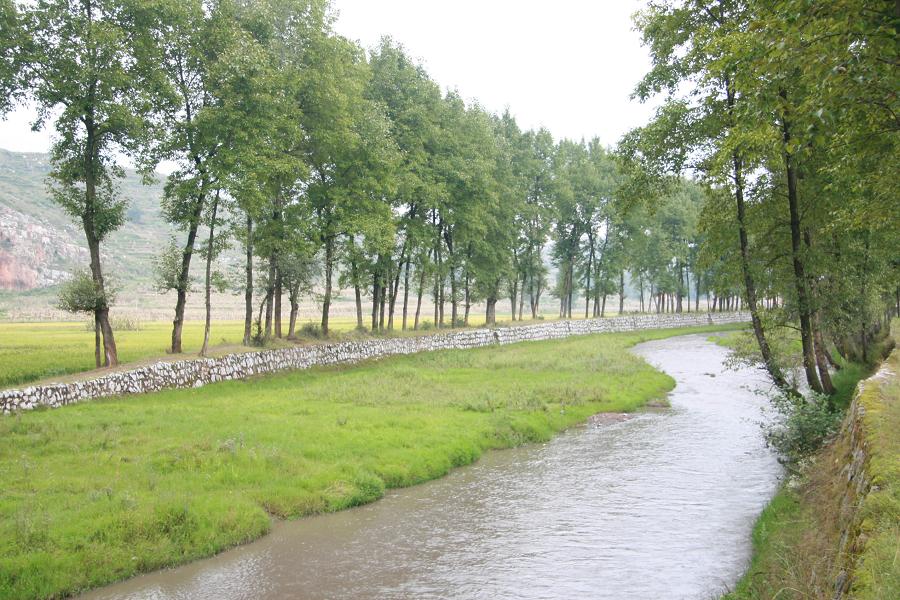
{"x":659,"y":505}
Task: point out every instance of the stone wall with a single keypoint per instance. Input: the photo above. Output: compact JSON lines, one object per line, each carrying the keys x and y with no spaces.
{"x":868,"y":485}
{"x":199,"y":372}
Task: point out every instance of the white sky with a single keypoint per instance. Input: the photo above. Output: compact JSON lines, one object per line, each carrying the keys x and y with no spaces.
{"x":568,"y":65}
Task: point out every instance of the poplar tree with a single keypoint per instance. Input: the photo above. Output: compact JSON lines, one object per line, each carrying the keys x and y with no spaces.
{"x":86,"y":71}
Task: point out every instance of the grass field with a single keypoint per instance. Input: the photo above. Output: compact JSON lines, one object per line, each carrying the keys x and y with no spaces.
{"x":100,"y":491}
{"x":33,"y":351}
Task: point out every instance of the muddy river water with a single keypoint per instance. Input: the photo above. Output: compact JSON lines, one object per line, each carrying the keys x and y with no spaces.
{"x":660,"y":505}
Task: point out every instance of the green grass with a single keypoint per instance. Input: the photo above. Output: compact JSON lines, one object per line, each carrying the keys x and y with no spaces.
{"x":100,"y":491}
{"x":33,"y":351}
{"x":877,"y":572}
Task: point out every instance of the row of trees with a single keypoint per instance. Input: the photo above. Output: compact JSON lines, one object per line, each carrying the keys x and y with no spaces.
{"x":788,"y":111}
{"x":332,"y":169}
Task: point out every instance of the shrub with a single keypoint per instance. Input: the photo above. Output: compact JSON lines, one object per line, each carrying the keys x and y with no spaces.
{"x":82,"y":295}
{"x":801,"y":425}
{"x":312,"y":330}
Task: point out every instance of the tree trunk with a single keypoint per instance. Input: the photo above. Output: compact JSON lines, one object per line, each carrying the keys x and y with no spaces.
{"x":468,"y":304}
{"x":803,"y":304}
{"x":697,"y":292}
{"x":248,"y":290}
{"x":375,"y":292}
{"x":184,"y":276}
{"x":277,"y":307}
{"x":514,"y":294}
{"x":737,"y":166}
{"x":405,"y":293}
{"x":98,"y":360}
{"x":382,"y":288}
{"x":358,"y":297}
{"x":395,"y":289}
{"x":329,"y":273}
{"x":818,"y":339}
{"x":270,"y":295}
{"x":622,"y":292}
{"x":292,"y":325}
{"x":454,"y":315}
{"x":821,"y":358}
{"x":208,"y":283}
{"x":680,"y":290}
{"x":419,"y":297}
{"x":101,"y":313}
{"x":490,"y":316}
{"x":522,"y":296}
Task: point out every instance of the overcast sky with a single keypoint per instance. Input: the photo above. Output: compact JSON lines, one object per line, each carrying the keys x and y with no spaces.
{"x":568,"y":65}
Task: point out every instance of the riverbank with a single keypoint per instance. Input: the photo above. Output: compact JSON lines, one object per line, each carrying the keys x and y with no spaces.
{"x":832,"y":531}
{"x":196,"y":372}
{"x":100,"y":491}
{"x":61,"y":352}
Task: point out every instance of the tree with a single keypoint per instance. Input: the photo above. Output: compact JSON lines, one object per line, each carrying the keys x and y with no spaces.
{"x":349,"y":150}
{"x":679,"y":38}
{"x":196,"y":35}
{"x":87,"y":62}
{"x":12,"y":50}
{"x":412,"y":103}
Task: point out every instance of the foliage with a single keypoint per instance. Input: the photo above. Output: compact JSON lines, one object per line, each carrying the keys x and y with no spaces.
{"x":81,"y":294}
{"x":801,"y":425}
{"x":167,"y":269}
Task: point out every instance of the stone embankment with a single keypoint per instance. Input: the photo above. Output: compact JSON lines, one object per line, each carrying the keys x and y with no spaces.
{"x":868,"y":490}
{"x":199,"y":372}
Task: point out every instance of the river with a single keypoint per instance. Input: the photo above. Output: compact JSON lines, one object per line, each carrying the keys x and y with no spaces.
{"x":658,"y":505}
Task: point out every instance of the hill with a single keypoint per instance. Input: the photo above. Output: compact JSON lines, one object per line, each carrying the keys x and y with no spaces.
{"x":40,"y":245}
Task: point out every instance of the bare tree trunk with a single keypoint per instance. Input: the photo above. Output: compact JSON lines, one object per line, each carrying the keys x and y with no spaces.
{"x":248,"y":289}
{"x":277,"y":307}
{"x":680,"y":290}
{"x":697,"y":294}
{"x":490,"y":316}
{"x":382,"y":288}
{"x":468,"y":304}
{"x":419,"y":297}
{"x":687,"y":289}
{"x":803,"y":304}
{"x":454,"y":315}
{"x":184,"y":277}
{"x":522,"y":296}
{"x":208,"y":284}
{"x":406,"y":292}
{"x":375,"y":294}
{"x":821,"y":358}
{"x":98,"y":360}
{"x":270,"y":295}
{"x":292,"y":326}
{"x":621,"y":291}
{"x":358,"y":296}
{"x":329,"y":274}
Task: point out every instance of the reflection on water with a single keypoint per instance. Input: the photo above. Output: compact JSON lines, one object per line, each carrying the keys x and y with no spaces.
{"x":657,"y":506}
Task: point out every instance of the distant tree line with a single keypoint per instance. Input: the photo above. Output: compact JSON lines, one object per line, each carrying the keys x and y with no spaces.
{"x":331,"y":167}
{"x":766,"y":180}
{"x":789,"y":112}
